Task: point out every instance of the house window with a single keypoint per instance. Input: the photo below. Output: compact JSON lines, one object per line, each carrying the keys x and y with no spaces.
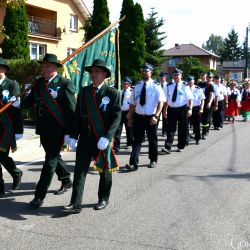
{"x":70,"y":51}
{"x":173,"y":62}
{"x":73,"y":23}
{"x":37,"y":51}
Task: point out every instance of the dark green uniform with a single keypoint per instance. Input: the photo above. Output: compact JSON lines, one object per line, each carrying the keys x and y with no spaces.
{"x":52,"y":128}
{"x":11,"y":123}
{"x":87,"y":141}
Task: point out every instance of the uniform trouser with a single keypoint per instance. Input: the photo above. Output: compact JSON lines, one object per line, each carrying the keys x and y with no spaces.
{"x":218,"y":115}
{"x":9,"y":165}
{"x":53,"y":163}
{"x":164,"y":124}
{"x":141,"y":124}
{"x":83,"y":160}
{"x":129,"y":131}
{"x":195,"y":120}
{"x":174,"y":116}
{"x":206,"y":119}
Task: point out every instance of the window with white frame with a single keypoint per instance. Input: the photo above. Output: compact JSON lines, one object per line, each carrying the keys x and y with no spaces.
{"x":37,"y":51}
{"x":73,"y":23}
{"x":70,"y":51}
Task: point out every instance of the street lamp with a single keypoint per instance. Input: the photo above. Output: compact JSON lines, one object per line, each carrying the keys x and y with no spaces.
{"x":246,"y":53}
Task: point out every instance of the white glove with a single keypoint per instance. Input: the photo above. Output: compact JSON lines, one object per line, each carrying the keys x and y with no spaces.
{"x":66,"y":139}
{"x":18,"y":136}
{"x":16,"y":101}
{"x":53,"y":93}
{"x":72,"y":144}
{"x":102,"y":143}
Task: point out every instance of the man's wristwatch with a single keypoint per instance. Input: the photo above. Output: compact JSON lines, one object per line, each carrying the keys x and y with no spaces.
{"x":156,"y":116}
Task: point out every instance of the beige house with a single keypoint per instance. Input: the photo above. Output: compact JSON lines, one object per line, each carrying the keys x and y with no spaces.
{"x":54,"y":26}
{"x":180,"y":51}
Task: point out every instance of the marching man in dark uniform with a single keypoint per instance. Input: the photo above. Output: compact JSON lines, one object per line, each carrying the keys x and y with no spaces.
{"x":125,"y":96}
{"x":11,"y":127}
{"x":55,"y":104}
{"x":206,"y":116}
{"x":177,"y":109}
{"x":97,"y":117}
{"x":146,"y":104}
{"x":198,"y":105}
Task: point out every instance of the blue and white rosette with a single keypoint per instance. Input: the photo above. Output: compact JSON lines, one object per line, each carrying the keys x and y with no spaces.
{"x":104,"y":103}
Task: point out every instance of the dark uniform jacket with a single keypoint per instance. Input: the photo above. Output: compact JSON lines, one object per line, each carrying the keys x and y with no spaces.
{"x":12,"y":88}
{"x":46,"y":123}
{"x":111,"y":116}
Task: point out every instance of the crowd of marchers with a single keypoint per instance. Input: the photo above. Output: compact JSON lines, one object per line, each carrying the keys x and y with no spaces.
{"x":92,"y":123}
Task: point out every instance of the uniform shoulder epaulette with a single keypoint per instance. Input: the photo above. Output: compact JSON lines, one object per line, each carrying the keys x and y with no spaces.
{"x":170,"y":83}
{"x":197,"y":87}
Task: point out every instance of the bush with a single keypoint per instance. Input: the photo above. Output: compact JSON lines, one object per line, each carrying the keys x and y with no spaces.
{"x":23,"y":72}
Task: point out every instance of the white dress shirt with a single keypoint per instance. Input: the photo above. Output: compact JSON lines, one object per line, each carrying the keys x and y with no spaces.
{"x":126,"y":98}
{"x":154,"y":95}
{"x":198,"y":95}
{"x":184,"y":94}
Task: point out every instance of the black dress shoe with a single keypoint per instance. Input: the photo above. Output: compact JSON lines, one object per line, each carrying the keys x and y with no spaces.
{"x":101,"y":205}
{"x":197,"y":142}
{"x":73,"y":208}
{"x":63,"y":188}
{"x":2,"y":192}
{"x":166,"y":151}
{"x":17,"y":182}
{"x":117,"y":150}
{"x":152,"y":164}
{"x":131,"y":167}
{"x":36,"y":203}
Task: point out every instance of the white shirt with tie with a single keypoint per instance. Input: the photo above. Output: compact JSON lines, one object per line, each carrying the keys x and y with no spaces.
{"x":154,"y":95}
{"x":184,"y":94}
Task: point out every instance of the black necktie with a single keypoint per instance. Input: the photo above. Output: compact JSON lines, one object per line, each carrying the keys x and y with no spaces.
{"x":175,"y":93}
{"x":143,"y":95}
{"x":123,"y":92}
{"x":95,"y":90}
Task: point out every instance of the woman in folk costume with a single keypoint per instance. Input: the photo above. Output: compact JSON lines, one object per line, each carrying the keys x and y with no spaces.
{"x":11,"y":127}
{"x":234,"y":98}
{"x":245,"y":100}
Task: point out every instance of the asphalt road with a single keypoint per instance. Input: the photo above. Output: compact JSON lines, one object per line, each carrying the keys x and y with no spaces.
{"x":196,"y":199}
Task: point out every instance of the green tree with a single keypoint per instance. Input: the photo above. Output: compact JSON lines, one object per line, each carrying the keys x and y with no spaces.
{"x":11,"y":3}
{"x":154,"y":39}
{"x":232,"y":51}
{"x":214,"y":44}
{"x":132,"y":40}
{"x":192,"y":66}
{"x":16,"y":46}
{"x":98,"y":21}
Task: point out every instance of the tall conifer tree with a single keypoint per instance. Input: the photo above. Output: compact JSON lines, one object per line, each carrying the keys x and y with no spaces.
{"x":16,"y":28}
{"x":154,"y":39}
{"x":99,"y":19}
{"x":132,"y":40}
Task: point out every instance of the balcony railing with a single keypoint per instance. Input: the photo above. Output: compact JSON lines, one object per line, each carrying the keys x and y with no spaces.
{"x":42,"y":27}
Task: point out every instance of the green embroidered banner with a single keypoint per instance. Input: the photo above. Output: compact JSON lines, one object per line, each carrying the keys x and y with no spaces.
{"x":104,"y":48}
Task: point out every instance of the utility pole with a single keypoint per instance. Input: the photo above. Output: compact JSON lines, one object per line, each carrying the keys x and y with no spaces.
{"x":246,"y":55}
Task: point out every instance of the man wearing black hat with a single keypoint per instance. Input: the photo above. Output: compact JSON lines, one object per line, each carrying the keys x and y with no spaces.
{"x":125,"y":96}
{"x":177,"y":109}
{"x":55,"y":104}
{"x":11,"y":127}
{"x":145,"y":107}
{"x":97,"y":117}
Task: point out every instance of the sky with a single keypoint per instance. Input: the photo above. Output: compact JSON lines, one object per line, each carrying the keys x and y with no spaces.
{"x":192,"y":21}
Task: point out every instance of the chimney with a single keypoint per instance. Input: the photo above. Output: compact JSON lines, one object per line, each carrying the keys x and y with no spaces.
{"x":177,"y":46}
